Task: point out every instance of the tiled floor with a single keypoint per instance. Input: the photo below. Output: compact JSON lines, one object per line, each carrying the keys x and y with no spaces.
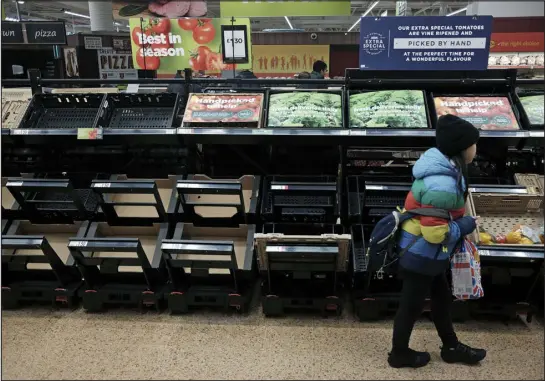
{"x":39,"y":344}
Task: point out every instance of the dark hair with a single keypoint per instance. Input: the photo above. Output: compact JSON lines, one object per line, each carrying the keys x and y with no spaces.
{"x":303,"y":75}
{"x":319,"y":66}
{"x":460,"y":163}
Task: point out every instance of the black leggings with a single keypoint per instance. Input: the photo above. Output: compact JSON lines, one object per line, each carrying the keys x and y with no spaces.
{"x":416,"y":288}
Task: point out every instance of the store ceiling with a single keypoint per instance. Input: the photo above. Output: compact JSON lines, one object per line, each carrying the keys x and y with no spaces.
{"x":54,"y":10}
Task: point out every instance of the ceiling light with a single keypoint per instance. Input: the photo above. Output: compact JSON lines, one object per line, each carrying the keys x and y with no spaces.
{"x":11,"y":19}
{"x":288,"y":21}
{"x":21,"y":2}
{"x":363,"y":15}
{"x":77,"y":14}
{"x":458,"y":11}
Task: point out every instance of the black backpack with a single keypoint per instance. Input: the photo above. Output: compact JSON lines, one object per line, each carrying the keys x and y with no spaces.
{"x":382,"y":248}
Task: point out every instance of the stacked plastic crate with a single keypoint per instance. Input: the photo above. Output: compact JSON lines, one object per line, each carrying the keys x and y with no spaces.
{"x":43,"y":213}
{"x":302,"y":251}
{"x":210,"y":258}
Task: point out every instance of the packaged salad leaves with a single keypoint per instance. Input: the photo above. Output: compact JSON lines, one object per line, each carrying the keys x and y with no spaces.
{"x":388,"y":109}
{"x":306,"y":109}
{"x":533,"y":105}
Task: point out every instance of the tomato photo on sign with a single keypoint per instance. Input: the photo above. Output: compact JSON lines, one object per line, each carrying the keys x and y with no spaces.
{"x":134,"y":34}
{"x":199,"y":58}
{"x":188,"y":23}
{"x":149,"y":63}
{"x":214,"y":61}
{"x":204,"y":32}
{"x":159,"y":26}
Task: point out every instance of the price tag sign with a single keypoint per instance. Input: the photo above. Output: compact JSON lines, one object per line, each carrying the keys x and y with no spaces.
{"x":234,"y":43}
{"x":90,"y":133}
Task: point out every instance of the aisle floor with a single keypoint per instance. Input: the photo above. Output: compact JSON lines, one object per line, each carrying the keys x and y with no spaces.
{"x":41,"y":344}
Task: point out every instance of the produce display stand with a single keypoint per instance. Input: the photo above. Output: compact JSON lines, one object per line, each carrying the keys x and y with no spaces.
{"x":510,"y":271}
{"x":368,"y":177}
{"x":212,"y":267}
{"x":36,"y":265}
{"x":120,"y":258}
{"x":302,"y":267}
{"x":210,"y":258}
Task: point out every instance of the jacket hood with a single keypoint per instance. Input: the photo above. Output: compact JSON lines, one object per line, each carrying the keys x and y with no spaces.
{"x":434,"y":163}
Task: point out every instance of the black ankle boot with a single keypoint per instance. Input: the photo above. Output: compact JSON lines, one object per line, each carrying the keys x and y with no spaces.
{"x":461,"y":353}
{"x":408,"y":359}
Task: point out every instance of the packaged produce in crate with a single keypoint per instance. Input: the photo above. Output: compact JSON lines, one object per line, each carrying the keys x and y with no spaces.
{"x":14,"y":105}
{"x":388,"y":109}
{"x":532,"y":182}
{"x":508,"y":216}
{"x":305,"y":109}
{"x":532,"y":106}
{"x":139,"y":111}
{"x":224,"y":110}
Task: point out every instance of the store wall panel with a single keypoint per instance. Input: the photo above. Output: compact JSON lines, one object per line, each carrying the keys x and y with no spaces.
{"x":333,"y":38}
{"x":342,"y":57}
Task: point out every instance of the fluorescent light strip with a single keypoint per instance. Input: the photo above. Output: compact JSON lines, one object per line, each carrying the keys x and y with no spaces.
{"x":11,"y":19}
{"x":77,"y":14}
{"x":363,"y":15}
{"x":458,"y":11}
{"x":288,"y":21}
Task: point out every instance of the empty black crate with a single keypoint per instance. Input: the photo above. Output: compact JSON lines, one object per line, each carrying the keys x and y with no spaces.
{"x":63,"y":111}
{"x":139,"y":111}
{"x":311,"y":199}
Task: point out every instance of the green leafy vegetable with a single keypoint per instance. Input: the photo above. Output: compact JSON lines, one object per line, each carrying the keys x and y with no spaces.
{"x":305,"y":109}
{"x":533,"y":105}
{"x":391,"y":108}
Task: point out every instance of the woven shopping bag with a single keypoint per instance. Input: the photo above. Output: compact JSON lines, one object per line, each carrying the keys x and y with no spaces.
{"x":465,"y":266}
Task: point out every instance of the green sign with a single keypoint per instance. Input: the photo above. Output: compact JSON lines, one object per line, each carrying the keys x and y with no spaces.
{"x":307,"y":109}
{"x":390,"y":108}
{"x":253,"y":8}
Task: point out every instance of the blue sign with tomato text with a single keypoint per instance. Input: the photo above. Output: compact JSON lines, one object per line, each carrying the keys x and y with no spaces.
{"x":425,"y":43}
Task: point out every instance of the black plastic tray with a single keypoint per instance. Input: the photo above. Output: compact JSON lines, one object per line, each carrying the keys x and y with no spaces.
{"x":62,"y":111}
{"x":139,"y":111}
{"x":311,"y":199}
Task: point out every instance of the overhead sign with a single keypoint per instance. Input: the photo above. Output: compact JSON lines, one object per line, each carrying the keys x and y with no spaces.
{"x":50,"y":32}
{"x":517,"y":42}
{"x":12,"y":33}
{"x":281,"y":8}
{"x":34,"y":32}
{"x":425,"y":43}
{"x":287,"y":60}
{"x":169,"y":45}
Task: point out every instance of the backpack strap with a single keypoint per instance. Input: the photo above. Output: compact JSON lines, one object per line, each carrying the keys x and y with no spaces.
{"x":431,"y":212}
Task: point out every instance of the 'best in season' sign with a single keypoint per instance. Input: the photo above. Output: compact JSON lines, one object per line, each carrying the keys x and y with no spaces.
{"x":425,"y":43}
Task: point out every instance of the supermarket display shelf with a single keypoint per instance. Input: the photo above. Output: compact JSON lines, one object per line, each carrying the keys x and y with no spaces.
{"x":329,"y":136}
{"x":511,"y":252}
